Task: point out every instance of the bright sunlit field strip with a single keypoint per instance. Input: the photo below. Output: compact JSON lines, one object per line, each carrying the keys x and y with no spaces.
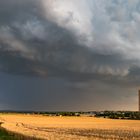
{"x":82,"y":128}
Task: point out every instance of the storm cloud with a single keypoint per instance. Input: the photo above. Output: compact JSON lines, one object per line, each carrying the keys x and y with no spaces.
{"x":80,"y":49}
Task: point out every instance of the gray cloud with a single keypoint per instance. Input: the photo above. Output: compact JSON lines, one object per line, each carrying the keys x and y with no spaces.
{"x":82,"y":42}
{"x":63,"y":35}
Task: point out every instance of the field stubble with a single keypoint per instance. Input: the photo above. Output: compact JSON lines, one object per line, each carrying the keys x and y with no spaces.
{"x":71,"y":128}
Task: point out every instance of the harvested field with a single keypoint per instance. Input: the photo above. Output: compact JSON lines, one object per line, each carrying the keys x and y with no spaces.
{"x":71,"y":128}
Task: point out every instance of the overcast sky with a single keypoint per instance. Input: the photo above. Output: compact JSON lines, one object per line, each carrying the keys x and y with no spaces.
{"x":69,"y":55}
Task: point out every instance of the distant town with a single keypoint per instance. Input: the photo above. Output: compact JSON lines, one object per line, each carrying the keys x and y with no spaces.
{"x":133,"y":115}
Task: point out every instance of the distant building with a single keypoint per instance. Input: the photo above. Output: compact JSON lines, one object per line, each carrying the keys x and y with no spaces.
{"x":139,"y":100}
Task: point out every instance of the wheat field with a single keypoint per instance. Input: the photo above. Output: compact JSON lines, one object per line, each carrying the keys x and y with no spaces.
{"x":71,"y":128}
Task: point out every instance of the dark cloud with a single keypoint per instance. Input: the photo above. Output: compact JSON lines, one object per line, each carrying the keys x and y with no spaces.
{"x":81,"y":52}
{"x":46,"y":42}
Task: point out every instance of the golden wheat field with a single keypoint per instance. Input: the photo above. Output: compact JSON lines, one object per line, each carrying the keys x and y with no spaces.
{"x":71,"y":128}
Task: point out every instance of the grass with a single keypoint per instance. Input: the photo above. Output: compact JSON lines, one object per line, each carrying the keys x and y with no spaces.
{"x":4,"y":135}
{"x":7,"y":135}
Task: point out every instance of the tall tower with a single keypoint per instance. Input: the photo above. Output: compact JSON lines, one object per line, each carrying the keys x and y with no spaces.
{"x":139,"y":100}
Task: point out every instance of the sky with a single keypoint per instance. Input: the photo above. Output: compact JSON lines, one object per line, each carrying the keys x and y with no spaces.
{"x":69,"y":55}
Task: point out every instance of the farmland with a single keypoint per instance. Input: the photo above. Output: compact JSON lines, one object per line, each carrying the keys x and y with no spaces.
{"x":71,"y":128}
